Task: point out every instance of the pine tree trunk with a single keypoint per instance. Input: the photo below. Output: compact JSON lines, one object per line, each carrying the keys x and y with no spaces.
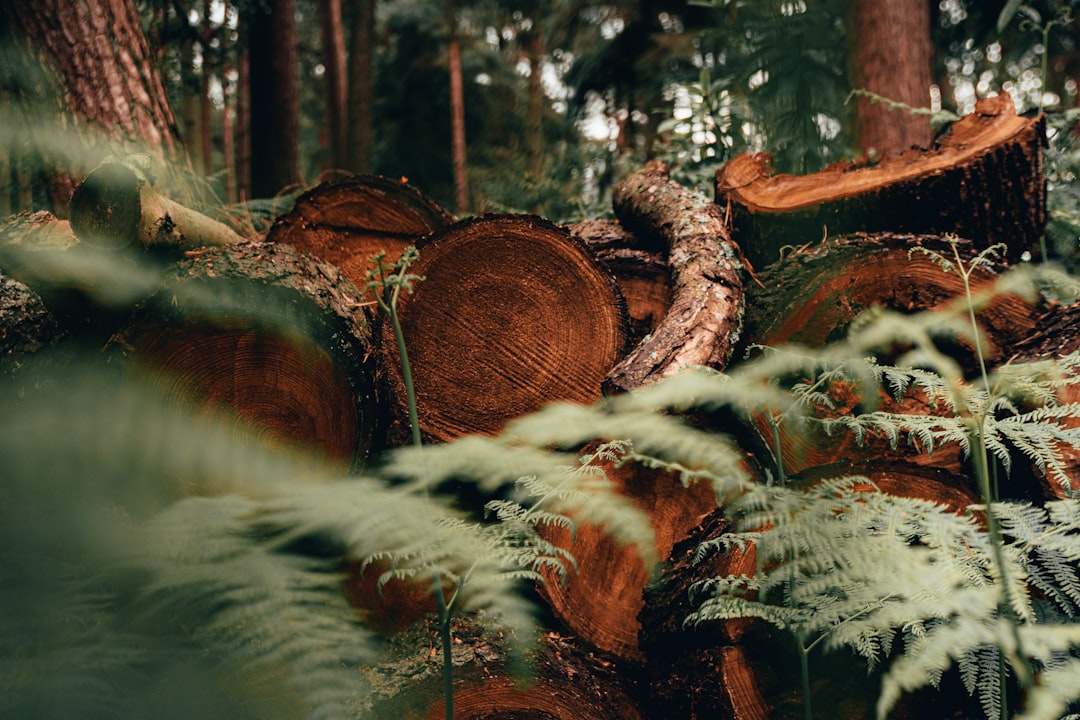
{"x":275,"y":99}
{"x":457,"y":116}
{"x":892,"y":56}
{"x":333,"y":52}
{"x":361,"y":131}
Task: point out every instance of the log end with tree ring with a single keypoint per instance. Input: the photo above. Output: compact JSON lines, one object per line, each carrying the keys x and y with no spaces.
{"x":270,"y":336}
{"x":106,"y":208}
{"x":348,"y":220}
{"x":600,"y":600}
{"x":513,"y":314}
{"x":814,"y":293}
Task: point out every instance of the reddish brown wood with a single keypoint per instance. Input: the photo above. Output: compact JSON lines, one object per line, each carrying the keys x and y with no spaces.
{"x":705,"y":315}
{"x":982,"y":180}
{"x":638,"y":266}
{"x":348,"y":220}
{"x":600,"y":602}
{"x":270,"y":336}
{"x":513,"y":314}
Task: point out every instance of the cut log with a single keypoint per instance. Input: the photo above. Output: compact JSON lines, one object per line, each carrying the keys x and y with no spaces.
{"x":348,"y":220}
{"x":513,"y":314}
{"x":274,"y":336}
{"x":812,"y":295}
{"x":116,"y":206}
{"x":640,"y":268}
{"x":566,"y":682}
{"x":982,"y":180}
{"x":600,"y":601}
{"x":705,"y":316}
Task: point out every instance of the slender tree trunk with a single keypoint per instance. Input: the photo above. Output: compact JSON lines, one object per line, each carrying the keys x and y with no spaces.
{"x":892,"y":57}
{"x":360,"y":134}
{"x":535,"y":122}
{"x":333,"y":58}
{"x":242,"y":159}
{"x":275,"y":103}
{"x":457,"y":116}
{"x":206,"y":135}
{"x":189,"y":117}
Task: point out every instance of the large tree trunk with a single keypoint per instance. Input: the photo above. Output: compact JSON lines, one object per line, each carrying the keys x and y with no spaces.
{"x":892,"y":57}
{"x":275,"y":98}
{"x":109,"y":82}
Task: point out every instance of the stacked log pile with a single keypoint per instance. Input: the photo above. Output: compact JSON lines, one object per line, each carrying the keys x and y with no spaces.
{"x":515,"y":312}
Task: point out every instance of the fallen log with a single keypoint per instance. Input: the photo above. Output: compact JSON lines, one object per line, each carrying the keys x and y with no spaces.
{"x":269,"y":334}
{"x":26,"y":325}
{"x":348,"y":220}
{"x":639,"y":267}
{"x":706,"y":312}
{"x":811,"y":295}
{"x":982,"y":180}
{"x":117,"y":206}
{"x":599,"y":601}
{"x":512,"y":314}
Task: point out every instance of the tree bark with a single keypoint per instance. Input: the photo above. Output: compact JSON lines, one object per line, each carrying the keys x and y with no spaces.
{"x":983,"y":180}
{"x":361,"y":132}
{"x":707,"y":305}
{"x":270,"y":336}
{"x":892,"y":57}
{"x":109,"y":81}
{"x":346,"y":222}
{"x":512,"y":314}
{"x":26,"y":325}
{"x":275,"y":98}
{"x":457,"y":115}
{"x":333,"y":58}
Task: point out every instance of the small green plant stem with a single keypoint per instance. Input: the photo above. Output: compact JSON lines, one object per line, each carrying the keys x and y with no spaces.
{"x":387,"y":299}
{"x":988,"y":491}
{"x":804,"y":673}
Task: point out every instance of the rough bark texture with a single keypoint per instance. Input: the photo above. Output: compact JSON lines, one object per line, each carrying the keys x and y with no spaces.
{"x":26,"y":325}
{"x":270,"y":335}
{"x":109,"y":81}
{"x":349,"y":220}
{"x":275,"y":98}
{"x":513,"y":314}
{"x":983,"y":180}
{"x":706,"y":310}
{"x":892,"y":57}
